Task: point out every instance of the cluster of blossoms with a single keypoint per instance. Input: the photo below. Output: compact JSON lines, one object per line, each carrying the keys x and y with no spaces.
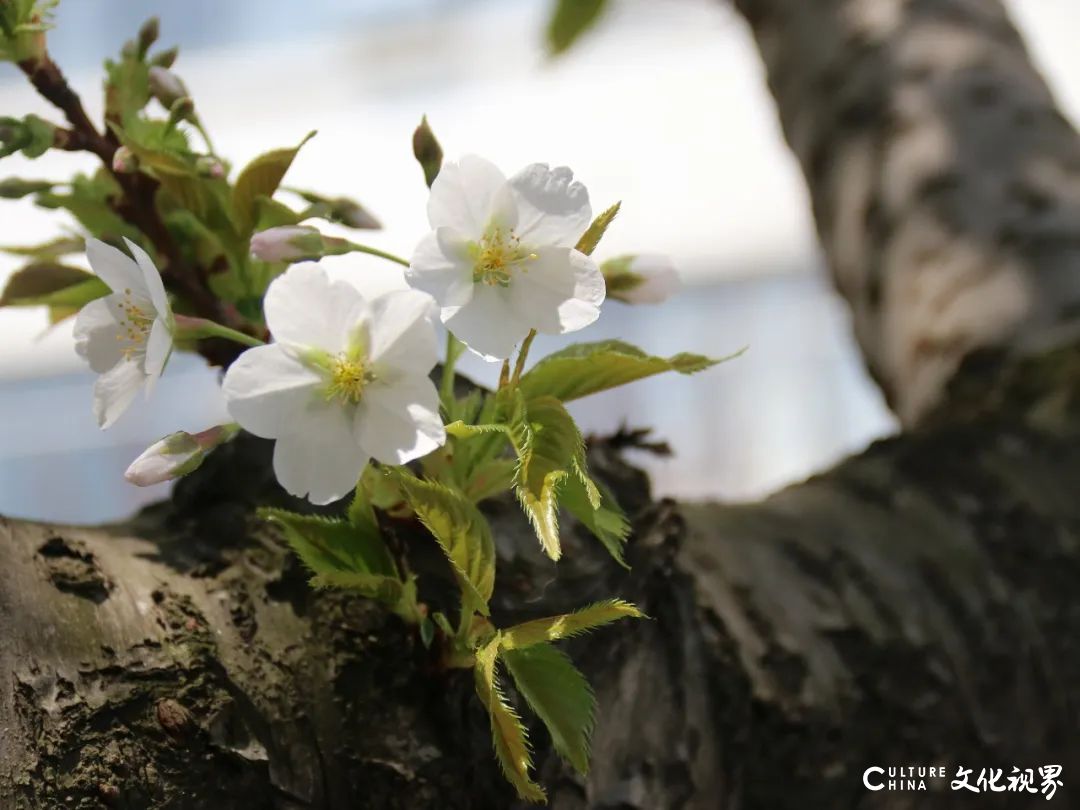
{"x":346,"y":379}
{"x":344,"y":386}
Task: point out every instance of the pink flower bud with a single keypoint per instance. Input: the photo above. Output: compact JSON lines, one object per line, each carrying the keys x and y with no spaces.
{"x":124,"y":161}
{"x":286,"y":243}
{"x":210,"y":166}
{"x":166,"y":86}
{"x":176,"y":455}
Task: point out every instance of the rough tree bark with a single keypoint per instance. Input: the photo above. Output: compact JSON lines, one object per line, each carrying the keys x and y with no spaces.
{"x":912,"y":606}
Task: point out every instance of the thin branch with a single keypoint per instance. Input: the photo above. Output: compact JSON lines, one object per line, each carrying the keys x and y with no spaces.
{"x":137,"y":207}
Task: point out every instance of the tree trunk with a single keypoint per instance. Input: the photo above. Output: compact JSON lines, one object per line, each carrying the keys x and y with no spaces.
{"x":911,"y":607}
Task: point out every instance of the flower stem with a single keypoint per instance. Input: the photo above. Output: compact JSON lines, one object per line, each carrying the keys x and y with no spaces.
{"x":522,"y":357}
{"x":198,"y":328}
{"x":454,"y":350}
{"x":353,"y":247}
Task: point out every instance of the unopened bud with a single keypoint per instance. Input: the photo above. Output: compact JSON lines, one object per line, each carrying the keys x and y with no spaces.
{"x":124,"y":161}
{"x":210,"y":166}
{"x":289,"y":243}
{"x":165,"y":59}
{"x":642,"y":279}
{"x":176,"y":455}
{"x":354,"y":215}
{"x":166,"y":87}
{"x":148,"y":35}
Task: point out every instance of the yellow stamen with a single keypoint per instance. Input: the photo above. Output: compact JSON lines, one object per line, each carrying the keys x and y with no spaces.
{"x":133,"y":326}
{"x":348,"y":376}
{"x":497,"y":253}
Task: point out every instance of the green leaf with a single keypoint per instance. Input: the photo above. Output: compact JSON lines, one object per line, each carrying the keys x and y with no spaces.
{"x":548,"y":445}
{"x":560,"y":696}
{"x":427,"y":151}
{"x":270,"y":213}
{"x":380,"y":587}
{"x":489,"y":479}
{"x":127,"y":88}
{"x":591,"y":238}
{"x":607,"y":522}
{"x":333,"y":548}
{"x":52,"y":284}
{"x":461,"y":531}
{"x":49,"y":251}
{"x":89,"y":200}
{"x":588,"y":368}
{"x":15,"y":188}
{"x":571,"y":19}
{"x":460,"y":430}
{"x":580,"y":621}
{"x":33,"y":136}
{"x":507,"y":732}
{"x":261,"y":178}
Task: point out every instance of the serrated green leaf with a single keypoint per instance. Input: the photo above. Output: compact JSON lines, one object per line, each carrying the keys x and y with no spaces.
{"x":588,"y":368}
{"x":560,"y":696}
{"x":51,"y":284}
{"x":427,"y":151}
{"x":385,"y":589}
{"x":330,"y":547}
{"x":580,"y":621}
{"x":591,"y":238}
{"x":571,"y":19}
{"x":607,"y":522}
{"x":462,"y":532}
{"x":460,"y":430}
{"x":510,"y":739}
{"x":548,"y":445}
{"x":261,"y":178}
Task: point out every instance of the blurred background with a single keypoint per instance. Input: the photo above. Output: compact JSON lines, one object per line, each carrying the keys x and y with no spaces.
{"x":663,"y":106}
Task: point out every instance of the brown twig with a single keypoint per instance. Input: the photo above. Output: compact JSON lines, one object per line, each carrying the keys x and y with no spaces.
{"x":137,"y":206}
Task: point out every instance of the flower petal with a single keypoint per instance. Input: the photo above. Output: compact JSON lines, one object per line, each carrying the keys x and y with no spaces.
{"x":305,"y":308}
{"x":95,"y":335}
{"x":402,"y":332}
{"x":466,"y":194}
{"x":266,"y":388}
{"x":442,"y":268}
{"x":488,"y":324}
{"x":320,"y":460}
{"x":400,"y":422}
{"x":115,"y":390}
{"x":561,"y":291}
{"x":553,"y":208}
{"x":158,"y":348}
{"x":120,"y":272}
{"x":155,"y":288}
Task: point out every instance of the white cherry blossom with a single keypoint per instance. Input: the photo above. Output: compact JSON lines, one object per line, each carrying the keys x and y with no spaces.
{"x":127,"y":336}
{"x":345,"y":381}
{"x":500,"y":259}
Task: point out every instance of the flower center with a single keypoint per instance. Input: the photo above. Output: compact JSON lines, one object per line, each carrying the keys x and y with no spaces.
{"x":348,"y":376}
{"x":134,"y":324}
{"x":496,"y":254}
